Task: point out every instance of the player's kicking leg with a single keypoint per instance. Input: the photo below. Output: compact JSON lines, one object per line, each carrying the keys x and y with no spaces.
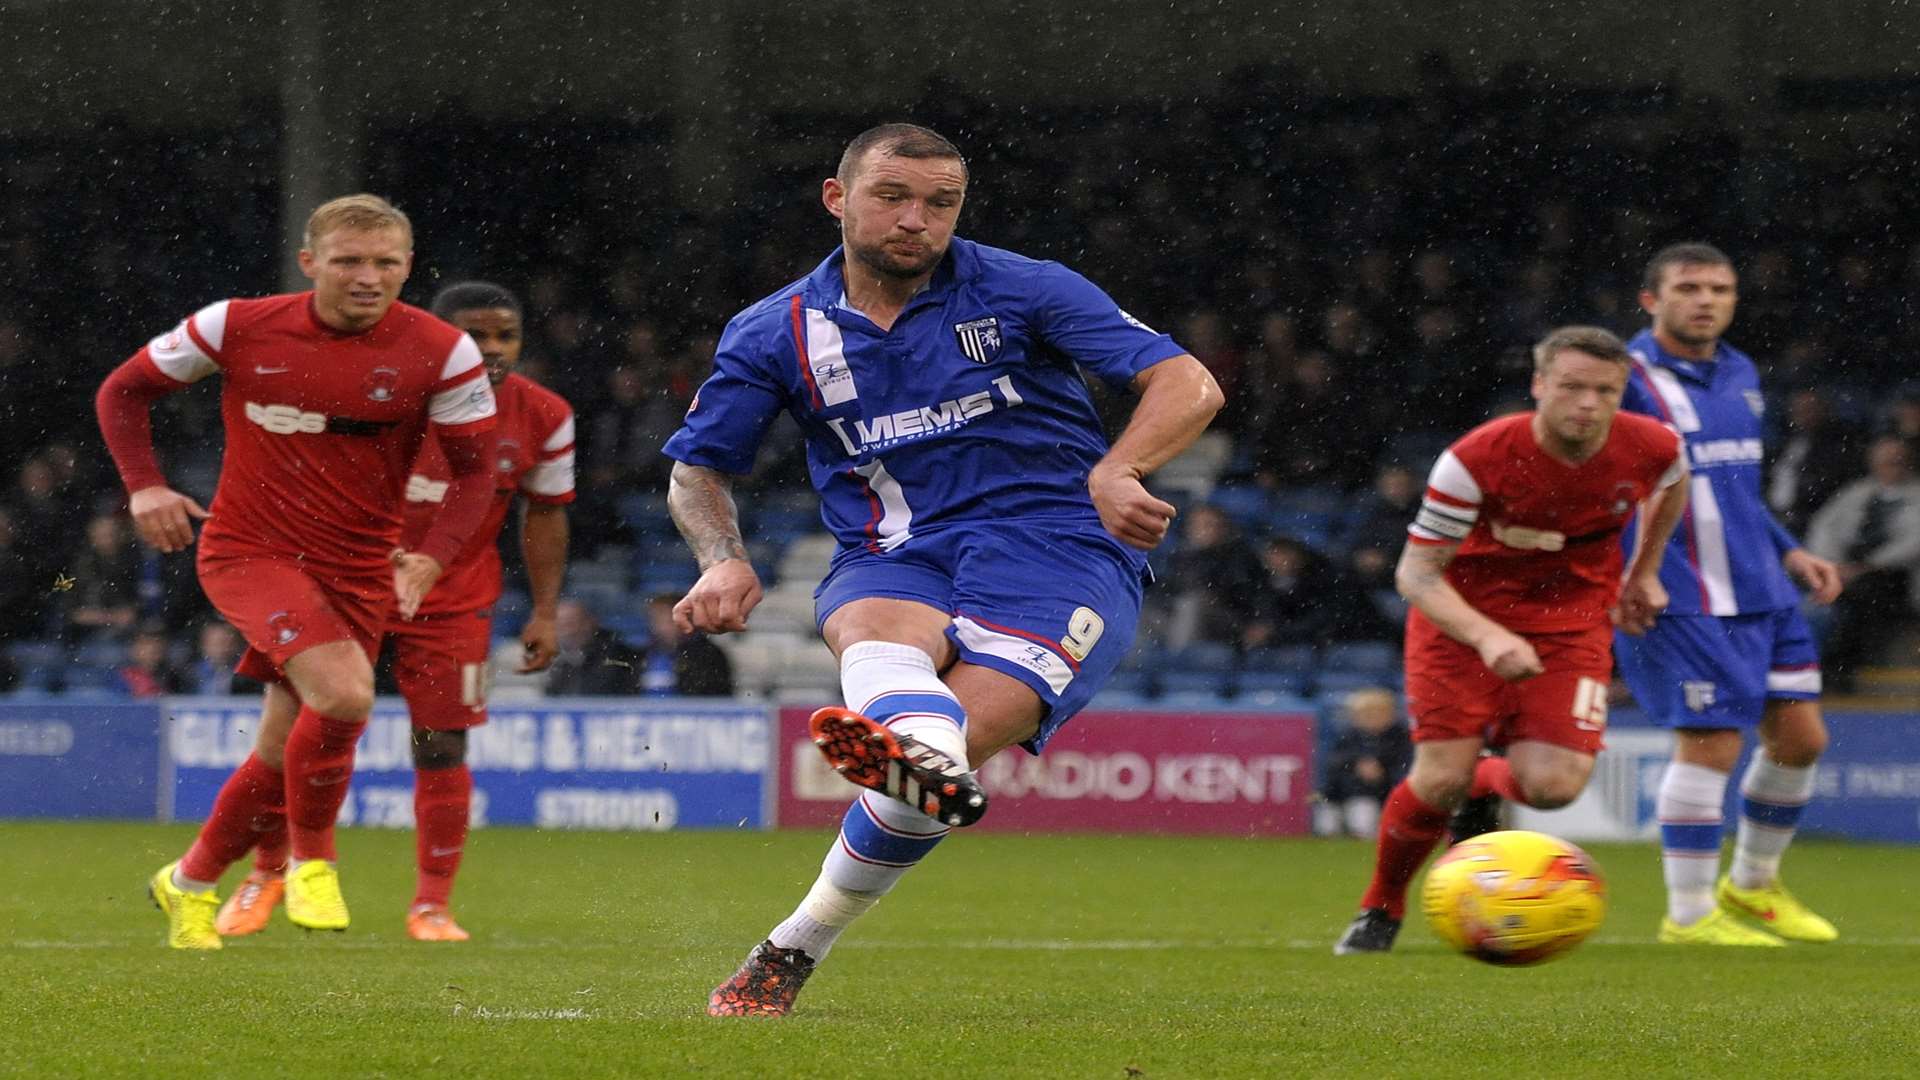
{"x":895,"y":685}
{"x":1411,"y":824}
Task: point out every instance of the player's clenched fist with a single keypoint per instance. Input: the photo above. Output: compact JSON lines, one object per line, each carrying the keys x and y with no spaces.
{"x":1127,"y":509}
{"x":720,"y":601}
{"x":1510,"y":656}
{"x":164,"y":518}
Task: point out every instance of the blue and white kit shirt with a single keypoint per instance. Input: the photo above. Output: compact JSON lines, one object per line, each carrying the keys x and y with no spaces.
{"x":970,"y":409}
{"x":1724,"y":558}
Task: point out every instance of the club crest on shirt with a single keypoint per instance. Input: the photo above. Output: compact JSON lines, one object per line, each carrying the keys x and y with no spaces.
{"x":507,"y":451}
{"x":979,"y":339}
{"x":285,"y":626}
{"x":381,"y":383}
{"x":1622,"y":498}
{"x":1755,"y":401}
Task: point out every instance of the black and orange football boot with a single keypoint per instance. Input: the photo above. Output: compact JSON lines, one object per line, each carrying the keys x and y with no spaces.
{"x":898,"y":766}
{"x":765,"y":985}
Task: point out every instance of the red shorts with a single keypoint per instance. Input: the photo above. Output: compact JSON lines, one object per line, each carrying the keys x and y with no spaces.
{"x":282,"y":608}
{"x":1452,"y":695}
{"x":440,"y":662}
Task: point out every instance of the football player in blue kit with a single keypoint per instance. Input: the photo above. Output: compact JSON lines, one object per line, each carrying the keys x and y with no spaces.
{"x":1731,"y":652}
{"x":992,"y":546}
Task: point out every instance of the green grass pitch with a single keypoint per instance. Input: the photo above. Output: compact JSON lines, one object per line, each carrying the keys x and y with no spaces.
{"x":1004,"y":956}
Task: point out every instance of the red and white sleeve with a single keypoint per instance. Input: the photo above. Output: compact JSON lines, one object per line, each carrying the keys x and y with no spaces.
{"x":551,"y":478}
{"x":1450,"y":506}
{"x":462,"y":395}
{"x":190,"y":352}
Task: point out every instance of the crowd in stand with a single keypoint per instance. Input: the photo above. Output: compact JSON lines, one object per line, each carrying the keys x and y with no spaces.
{"x":1363,"y":276}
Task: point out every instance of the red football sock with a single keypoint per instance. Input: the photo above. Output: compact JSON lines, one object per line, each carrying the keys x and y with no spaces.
{"x":270,"y":851}
{"x":1494,"y":776}
{"x":252,"y":800}
{"x":441,"y":798}
{"x":1409,"y":829}
{"x":319,"y":766}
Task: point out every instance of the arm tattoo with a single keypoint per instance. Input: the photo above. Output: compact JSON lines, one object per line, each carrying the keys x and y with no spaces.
{"x":701,"y":501}
{"x":1424,"y":567}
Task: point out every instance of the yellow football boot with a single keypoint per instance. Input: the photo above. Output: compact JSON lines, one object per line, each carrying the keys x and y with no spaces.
{"x":189,"y":914}
{"x":313,"y":896}
{"x":247,"y":910}
{"x":1718,"y":928}
{"x":1774,"y":908}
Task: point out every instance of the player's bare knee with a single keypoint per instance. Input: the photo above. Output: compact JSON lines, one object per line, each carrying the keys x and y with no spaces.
{"x":1440,"y":790}
{"x":1551,"y":793}
{"x":439,"y":749}
{"x":342,"y":700}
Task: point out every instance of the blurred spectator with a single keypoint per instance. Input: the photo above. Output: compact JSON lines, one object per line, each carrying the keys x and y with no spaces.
{"x":687,"y":665}
{"x":1310,"y":436}
{"x":1371,"y":754}
{"x":1903,"y":418}
{"x":1210,"y":581}
{"x":1301,"y":599}
{"x":23,"y":595}
{"x":43,"y":524}
{"x":593,"y":660}
{"x":1379,"y":528}
{"x":219,"y":647}
{"x":1814,"y":460}
{"x":148,"y":671}
{"x":1871,"y":529}
{"x":104,"y":598}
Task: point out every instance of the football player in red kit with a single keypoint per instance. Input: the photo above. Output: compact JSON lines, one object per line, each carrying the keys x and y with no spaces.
{"x":326,"y":399}
{"x":1513,"y":571}
{"x":440,"y":656}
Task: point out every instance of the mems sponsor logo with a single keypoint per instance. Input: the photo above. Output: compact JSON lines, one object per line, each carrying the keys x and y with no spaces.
{"x":868,"y":433}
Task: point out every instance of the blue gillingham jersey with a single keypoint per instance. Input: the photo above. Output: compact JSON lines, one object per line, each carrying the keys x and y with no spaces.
{"x":1724,"y":559}
{"x":970,"y":409}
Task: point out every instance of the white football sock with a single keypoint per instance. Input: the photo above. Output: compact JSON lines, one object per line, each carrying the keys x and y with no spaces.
{"x":187,"y":884}
{"x":1689,"y":807}
{"x":1773,"y":796}
{"x":821,"y":918}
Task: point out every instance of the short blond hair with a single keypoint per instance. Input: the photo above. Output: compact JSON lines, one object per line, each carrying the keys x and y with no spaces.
{"x":360,"y":211}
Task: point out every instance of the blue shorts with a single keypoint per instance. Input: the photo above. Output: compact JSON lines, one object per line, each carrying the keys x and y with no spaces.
{"x":1703,"y":671}
{"x":1053,"y":604}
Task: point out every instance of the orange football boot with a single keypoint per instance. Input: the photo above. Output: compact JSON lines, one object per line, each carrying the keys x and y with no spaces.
{"x":251,"y":905}
{"x":431,"y":922}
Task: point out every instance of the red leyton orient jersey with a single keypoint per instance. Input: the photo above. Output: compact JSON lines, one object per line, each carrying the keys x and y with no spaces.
{"x":534,"y":456}
{"x":321,"y":425}
{"x":1540,"y":539}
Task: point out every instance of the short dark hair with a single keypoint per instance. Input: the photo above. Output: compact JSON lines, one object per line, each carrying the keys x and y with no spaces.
{"x":468,"y":295}
{"x":1692,"y":253}
{"x":1591,"y":340}
{"x":897,"y":140}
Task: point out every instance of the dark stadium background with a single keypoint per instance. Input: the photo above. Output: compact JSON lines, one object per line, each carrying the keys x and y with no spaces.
{"x":1359,"y":215}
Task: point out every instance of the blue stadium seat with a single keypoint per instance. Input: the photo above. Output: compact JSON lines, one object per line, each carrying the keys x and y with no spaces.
{"x":646,"y":514}
{"x":90,"y":677}
{"x":40,"y":653}
{"x":1247,"y":505}
{"x":1287,"y":658}
{"x":106,"y":654}
{"x":1364,"y":656}
{"x":1341,"y":682}
{"x":1203,"y":656}
{"x":1131,"y":682}
{"x":1251,"y":683}
{"x":1179,"y":681}
{"x":634,"y":626}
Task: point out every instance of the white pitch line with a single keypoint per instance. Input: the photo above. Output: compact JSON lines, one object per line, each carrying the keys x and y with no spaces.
{"x":988,"y":945}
